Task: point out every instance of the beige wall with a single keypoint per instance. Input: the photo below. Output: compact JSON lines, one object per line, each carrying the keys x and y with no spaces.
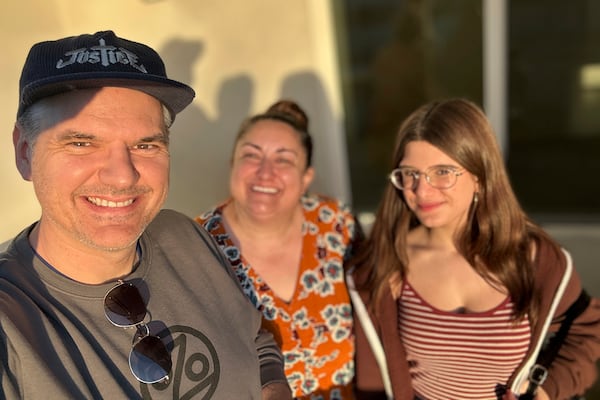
{"x":238,"y":55}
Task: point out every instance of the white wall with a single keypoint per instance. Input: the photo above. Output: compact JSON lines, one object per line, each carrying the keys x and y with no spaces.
{"x":238,"y":55}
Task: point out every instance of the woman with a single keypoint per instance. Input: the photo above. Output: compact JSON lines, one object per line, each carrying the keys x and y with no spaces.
{"x":458,"y":279}
{"x":288,"y":250}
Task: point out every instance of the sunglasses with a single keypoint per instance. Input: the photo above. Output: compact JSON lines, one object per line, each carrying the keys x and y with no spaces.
{"x":149,"y":360}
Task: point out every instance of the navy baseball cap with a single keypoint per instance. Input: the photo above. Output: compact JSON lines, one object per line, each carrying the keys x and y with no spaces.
{"x":98,"y":60}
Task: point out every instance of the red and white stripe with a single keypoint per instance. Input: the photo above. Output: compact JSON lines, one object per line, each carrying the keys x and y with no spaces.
{"x":460,"y":355}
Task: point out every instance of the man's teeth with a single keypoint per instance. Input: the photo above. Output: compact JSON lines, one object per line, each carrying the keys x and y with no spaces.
{"x":263,"y":189}
{"x":106,"y":203}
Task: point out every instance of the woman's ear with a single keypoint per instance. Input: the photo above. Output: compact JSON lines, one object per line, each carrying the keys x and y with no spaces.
{"x":307,"y":178}
{"x":23,"y":151}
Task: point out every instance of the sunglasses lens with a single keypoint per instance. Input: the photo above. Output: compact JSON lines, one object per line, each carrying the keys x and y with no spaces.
{"x":124,"y":306}
{"x":149,"y":360}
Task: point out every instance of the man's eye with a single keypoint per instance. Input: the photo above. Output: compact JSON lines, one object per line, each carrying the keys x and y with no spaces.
{"x":145,"y":146}
{"x":79,"y":144}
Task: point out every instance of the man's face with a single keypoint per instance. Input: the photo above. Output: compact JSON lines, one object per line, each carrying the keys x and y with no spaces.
{"x":100,"y":167}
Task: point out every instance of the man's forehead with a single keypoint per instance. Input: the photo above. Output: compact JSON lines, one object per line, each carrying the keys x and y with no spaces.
{"x":108,"y":106}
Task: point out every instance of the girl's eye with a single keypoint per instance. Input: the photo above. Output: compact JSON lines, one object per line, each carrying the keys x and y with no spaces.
{"x":442,"y":171}
{"x":409,"y":173}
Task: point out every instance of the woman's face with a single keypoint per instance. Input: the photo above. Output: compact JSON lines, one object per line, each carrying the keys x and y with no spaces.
{"x":269,"y":172}
{"x":436,"y":207}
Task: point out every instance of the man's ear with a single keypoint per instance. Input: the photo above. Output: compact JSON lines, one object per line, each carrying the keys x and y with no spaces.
{"x":23,"y":151}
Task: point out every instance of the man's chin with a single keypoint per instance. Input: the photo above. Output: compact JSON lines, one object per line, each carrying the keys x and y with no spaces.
{"x":113,"y":242}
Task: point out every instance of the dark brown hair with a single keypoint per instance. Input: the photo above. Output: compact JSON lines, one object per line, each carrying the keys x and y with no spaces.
{"x":497,"y":240}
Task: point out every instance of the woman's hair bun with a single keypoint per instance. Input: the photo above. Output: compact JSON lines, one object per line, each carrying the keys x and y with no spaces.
{"x":290,"y":111}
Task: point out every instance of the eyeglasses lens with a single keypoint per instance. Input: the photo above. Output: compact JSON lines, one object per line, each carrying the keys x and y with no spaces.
{"x":149,"y":359}
{"x":124,"y":306}
{"x":403,"y":179}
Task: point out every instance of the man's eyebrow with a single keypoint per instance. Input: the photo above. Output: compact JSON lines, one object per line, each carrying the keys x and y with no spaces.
{"x":76,"y":136}
{"x":159,"y":137}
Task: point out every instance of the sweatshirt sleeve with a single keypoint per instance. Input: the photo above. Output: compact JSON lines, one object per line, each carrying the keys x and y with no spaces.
{"x":574,"y":370}
{"x":270,"y":359}
{"x":269,"y":354}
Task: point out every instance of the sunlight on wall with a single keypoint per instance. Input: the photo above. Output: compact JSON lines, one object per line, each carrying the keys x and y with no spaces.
{"x":239,"y":57}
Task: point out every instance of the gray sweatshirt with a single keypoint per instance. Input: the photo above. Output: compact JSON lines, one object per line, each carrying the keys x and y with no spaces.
{"x":55,"y":341}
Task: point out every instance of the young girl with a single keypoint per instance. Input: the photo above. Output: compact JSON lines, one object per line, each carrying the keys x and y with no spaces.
{"x":462,"y":286}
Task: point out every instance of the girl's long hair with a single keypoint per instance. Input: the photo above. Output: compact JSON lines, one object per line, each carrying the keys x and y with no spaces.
{"x":498,"y":239}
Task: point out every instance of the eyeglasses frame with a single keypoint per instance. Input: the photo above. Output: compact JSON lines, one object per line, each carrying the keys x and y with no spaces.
{"x":457,"y":172}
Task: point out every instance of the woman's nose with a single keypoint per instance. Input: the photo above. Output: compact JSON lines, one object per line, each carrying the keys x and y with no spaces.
{"x":265,"y":168}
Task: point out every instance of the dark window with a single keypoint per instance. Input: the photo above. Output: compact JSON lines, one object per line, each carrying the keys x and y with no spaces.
{"x":554,"y":105}
{"x":397,"y":55}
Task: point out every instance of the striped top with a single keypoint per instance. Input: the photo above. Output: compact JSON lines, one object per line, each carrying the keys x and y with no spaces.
{"x":460,"y":355}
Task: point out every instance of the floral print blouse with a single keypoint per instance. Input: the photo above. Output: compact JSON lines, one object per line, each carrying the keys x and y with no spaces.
{"x":314,"y":329}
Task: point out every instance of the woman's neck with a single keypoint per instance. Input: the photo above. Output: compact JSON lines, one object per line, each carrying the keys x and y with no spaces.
{"x":277,"y":227}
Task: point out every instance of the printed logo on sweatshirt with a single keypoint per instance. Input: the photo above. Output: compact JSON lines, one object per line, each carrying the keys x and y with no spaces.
{"x":194,"y":375}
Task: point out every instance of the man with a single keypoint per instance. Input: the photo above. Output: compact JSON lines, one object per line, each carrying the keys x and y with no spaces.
{"x":106,"y":296}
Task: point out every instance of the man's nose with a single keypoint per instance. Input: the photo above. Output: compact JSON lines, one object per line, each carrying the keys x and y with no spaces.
{"x":118,"y":169}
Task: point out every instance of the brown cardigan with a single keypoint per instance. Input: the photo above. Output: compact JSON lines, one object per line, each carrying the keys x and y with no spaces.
{"x":572,"y":372}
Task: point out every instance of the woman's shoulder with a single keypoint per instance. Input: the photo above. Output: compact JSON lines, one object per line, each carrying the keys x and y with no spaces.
{"x":211,"y":214}
{"x":313,"y":201}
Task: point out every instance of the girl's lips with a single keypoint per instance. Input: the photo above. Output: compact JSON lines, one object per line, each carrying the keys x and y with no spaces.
{"x":428,"y":206}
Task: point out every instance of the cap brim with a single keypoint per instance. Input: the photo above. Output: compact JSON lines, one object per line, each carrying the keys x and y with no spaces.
{"x":174,"y":95}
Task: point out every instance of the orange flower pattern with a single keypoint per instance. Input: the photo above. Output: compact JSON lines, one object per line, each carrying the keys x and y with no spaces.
{"x":314,"y":329}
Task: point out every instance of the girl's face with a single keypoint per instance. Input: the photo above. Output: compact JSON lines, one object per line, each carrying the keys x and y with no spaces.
{"x":445,"y":208}
{"x":269,"y":173}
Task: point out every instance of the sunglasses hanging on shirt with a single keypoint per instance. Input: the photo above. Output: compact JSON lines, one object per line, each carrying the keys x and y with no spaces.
{"x":149,"y":360}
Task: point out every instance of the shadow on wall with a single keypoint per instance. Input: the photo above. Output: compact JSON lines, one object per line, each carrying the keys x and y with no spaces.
{"x":201,"y":146}
{"x":307,"y":90}
{"x":201,"y":149}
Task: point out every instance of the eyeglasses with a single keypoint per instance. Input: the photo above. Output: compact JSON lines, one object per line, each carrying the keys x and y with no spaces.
{"x":149,"y":359}
{"x":439,"y":177}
